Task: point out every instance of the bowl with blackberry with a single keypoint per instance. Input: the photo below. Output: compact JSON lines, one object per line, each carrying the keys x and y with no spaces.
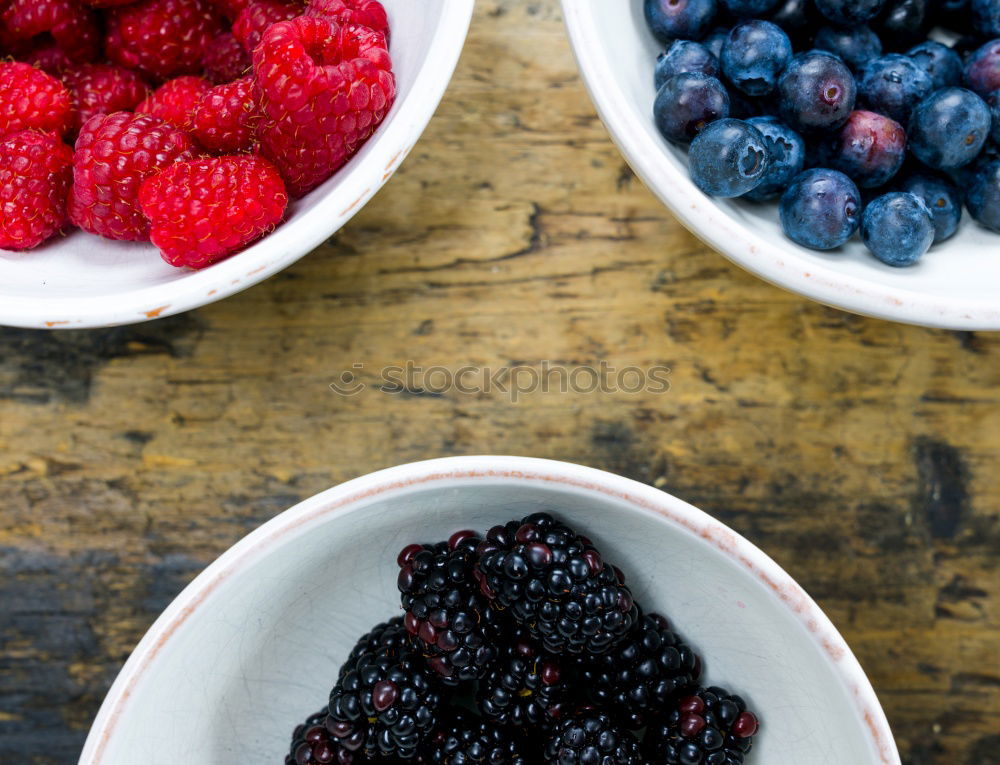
{"x":498,"y":610}
{"x":769,"y":127}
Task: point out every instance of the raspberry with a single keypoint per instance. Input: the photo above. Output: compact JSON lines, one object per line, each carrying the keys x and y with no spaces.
{"x":261,"y":15}
{"x":163,"y":38}
{"x":228,"y":8}
{"x":102,"y":89}
{"x":30,"y":98}
{"x":367,"y":13}
{"x":224,"y":59}
{"x":324,"y":90}
{"x":226,"y":119}
{"x":175,"y":101}
{"x":50,"y":58}
{"x":203,"y":210}
{"x":36,"y":170}
{"x":114,"y":154}
{"x":106,"y":3}
{"x":71,"y":26}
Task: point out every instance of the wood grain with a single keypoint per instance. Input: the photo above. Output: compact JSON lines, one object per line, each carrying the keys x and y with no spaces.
{"x":860,"y":454}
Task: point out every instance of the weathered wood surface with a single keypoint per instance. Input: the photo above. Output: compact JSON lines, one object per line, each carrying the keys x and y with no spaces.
{"x":861,"y":454}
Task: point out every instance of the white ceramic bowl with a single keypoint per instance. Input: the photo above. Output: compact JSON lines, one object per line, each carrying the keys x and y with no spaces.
{"x":956,"y":285}
{"x":252,"y":646}
{"x":85,"y":281}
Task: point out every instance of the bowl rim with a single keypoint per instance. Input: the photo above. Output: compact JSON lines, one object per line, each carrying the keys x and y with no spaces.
{"x":385,"y":151}
{"x":724,"y":234}
{"x":322,"y":507}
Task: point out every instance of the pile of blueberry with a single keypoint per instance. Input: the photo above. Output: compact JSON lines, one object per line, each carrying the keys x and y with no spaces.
{"x":844,"y":110}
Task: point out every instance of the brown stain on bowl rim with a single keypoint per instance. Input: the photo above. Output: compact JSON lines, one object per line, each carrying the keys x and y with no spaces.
{"x":356,"y":202}
{"x":51,"y":324}
{"x":155,"y":313}
{"x":788,"y":591}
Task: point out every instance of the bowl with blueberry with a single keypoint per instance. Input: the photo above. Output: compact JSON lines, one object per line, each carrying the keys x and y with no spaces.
{"x":847,"y":150}
{"x":497,"y":610}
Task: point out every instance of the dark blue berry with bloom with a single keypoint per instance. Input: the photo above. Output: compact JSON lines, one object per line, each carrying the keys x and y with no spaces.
{"x":728,"y":158}
{"x":897,"y":228}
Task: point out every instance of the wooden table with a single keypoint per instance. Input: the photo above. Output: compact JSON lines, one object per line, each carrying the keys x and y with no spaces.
{"x":862,"y":455}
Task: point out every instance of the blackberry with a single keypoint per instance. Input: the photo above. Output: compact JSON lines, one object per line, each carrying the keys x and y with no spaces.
{"x":313,"y":744}
{"x":555,"y":583}
{"x":642,"y":674}
{"x":455,"y":625}
{"x":469,"y":740}
{"x":386,"y":700}
{"x":591,"y":738}
{"x":711,"y":727}
{"x":525,"y":689}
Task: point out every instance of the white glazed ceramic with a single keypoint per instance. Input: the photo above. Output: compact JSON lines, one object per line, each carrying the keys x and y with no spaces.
{"x":85,"y":281}
{"x":252,"y":646}
{"x":956,"y":285}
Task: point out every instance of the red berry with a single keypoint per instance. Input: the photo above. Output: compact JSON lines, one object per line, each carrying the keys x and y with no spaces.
{"x":224,"y":59}
{"x":259,"y":16}
{"x":203,"y":210}
{"x":50,"y":58}
{"x":368,"y":13}
{"x":106,"y":3}
{"x":72,"y":27}
{"x":691,"y":725}
{"x":324,"y":90}
{"x":36,"y":170}
{"x":406,"y":554}
{"x":228,"y":8}
{"x":745,"y":725}
{"x":163,"y":38}
{"x":114,"y":154}
{"x":693,"y":704}
{"x":30,"y":98}
{"x":226,"y":119}
{"x":176,"y":101}
{"x":102,"y":89}
{"x":384,"y":695}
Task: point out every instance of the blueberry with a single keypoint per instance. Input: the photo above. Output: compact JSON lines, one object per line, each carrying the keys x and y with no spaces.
{"x":950,"y":6}
{"x":949,"y":128}
{"x":686,"y":103}
{"x":993,"y":101}
{"x":942,"y":199}
{"x":983,"y":197}
{"x":820,"y":209}
{"x":679,"y":19}
{"x":849,"y":12}
{"x":902,"y":24}
{"x":986,"y":17}
{"x":897,"y":227}
{"x":754,"y":55}
{"x":794,"y":16}
{"x":714,"y":40}
{"x":728,"y":158}
{"x":786,"y":150}
{"x":816,"y":92}
{"x":685,"y":56}
{"x":870,"y":148}
{"x":749,"y":8}
{"x":939,"y":61}
{"x":982,"y":69}
{"x":892,"y":85}
{"x":855,"y":45}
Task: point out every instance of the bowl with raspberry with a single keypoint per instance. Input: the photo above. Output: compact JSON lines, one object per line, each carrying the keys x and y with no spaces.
{"x":492,"y":609}
{"x":845,"y":150}
{"x":158,"y":155}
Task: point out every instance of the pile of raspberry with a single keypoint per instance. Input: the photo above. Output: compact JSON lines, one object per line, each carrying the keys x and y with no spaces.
{"x":523,"y":646}
{"x":188,"y":123}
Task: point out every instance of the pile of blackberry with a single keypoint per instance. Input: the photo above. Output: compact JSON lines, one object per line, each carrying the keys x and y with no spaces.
{"x":519,"y":647}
